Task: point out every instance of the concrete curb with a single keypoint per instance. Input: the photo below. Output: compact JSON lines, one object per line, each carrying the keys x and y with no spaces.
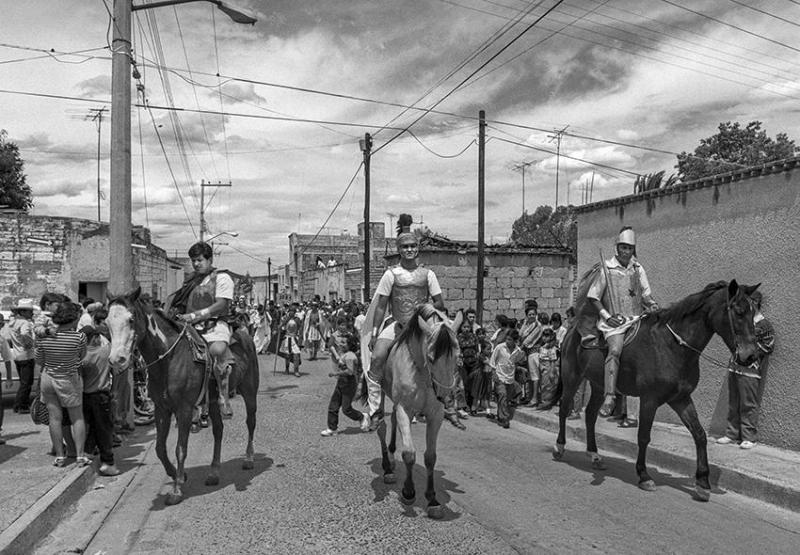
{"x":745,"y":481}
{"x":45,"y":514}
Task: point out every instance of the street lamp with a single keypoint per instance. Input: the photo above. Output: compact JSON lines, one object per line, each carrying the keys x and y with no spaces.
{"x":120,"y":278}
{"x":231,"y":233}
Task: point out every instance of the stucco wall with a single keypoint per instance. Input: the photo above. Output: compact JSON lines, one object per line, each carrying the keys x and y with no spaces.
{"x":747,"y":229}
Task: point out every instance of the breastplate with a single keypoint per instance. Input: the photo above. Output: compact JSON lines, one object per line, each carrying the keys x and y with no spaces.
{"x":406,"y":299}
{"x":626,"y":291}
{"x":203,"y":295}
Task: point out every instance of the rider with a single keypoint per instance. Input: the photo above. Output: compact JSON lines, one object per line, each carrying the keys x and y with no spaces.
{"x":402,"y":288}
{"x":204,"y":301}
{"x":619,"y":305}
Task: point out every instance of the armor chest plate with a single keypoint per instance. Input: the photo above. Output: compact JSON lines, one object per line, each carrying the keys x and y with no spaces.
{"x":408,"y":293}
{"x":203,"y":295}
{"x":626,"y":289}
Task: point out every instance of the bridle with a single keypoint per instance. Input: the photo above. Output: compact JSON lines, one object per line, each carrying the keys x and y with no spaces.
{"x":434,"y":380}
{"x":163,"y":355}
{"x":734,"y":354}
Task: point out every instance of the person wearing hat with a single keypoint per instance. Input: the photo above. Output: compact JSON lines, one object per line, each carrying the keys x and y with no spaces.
{"x":621,"y":293}
{"x":6,"y":357}
{"x":402,"y":289}
{"x":22,"y":342}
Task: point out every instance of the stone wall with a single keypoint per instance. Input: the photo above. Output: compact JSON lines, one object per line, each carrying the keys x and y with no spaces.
{"x":743,"y":225}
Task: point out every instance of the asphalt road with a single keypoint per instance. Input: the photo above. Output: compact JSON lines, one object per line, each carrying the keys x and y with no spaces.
{"x":310,"y":494}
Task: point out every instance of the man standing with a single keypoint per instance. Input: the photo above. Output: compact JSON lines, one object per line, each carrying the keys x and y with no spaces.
{"x":402,"y":288}
{"x":22,"y":344}
{"x":6,"y":357}
{"x":204,"y":302}
{"x":312,"y":331}
{"x":621,"y":293}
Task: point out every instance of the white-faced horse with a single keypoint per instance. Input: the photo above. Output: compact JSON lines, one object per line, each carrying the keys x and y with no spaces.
{"x":420,"y":370}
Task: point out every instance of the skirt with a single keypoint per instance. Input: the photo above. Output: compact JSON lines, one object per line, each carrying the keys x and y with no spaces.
{"x":480,"y":384}
{"x":289,"y":346}
{"x":65,"y":391}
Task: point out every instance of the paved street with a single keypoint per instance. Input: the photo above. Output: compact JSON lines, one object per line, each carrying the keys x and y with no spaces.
{"x":504,"y":494}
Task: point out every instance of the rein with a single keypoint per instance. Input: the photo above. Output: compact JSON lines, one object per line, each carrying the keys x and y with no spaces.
{"x":168,"y":351}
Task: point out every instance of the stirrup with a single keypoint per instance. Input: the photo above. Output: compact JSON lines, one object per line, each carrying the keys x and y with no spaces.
{"x":608,"y":406}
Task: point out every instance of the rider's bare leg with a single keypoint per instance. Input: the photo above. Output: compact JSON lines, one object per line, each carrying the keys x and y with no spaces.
{"x":222,"y":358}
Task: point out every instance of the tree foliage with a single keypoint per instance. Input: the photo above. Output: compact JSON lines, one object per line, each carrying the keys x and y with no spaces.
{"x":14,"y":191}
{"x":544,"y":227}
{"x":734,"y":147}
{"x":653,"y":181}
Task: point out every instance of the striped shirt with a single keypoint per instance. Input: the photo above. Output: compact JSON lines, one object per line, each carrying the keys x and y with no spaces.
{"x":60,"y":355}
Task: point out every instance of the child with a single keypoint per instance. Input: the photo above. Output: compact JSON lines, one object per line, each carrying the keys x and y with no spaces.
{"x":504,"y":359}
{"x":346,"y":369}
{"x":481,"y":376}
{"x":290,"y":346}
{"x":546,"y":360}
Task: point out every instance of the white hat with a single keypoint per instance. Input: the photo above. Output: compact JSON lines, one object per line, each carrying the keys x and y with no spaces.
{"x":25,"y":304}
{"x":627,"y":236}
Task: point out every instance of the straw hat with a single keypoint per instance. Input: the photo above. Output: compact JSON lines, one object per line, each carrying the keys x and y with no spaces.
{"x":24,"y":304}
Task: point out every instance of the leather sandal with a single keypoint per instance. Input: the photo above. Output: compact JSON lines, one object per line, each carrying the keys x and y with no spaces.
{"x":628,"y":423}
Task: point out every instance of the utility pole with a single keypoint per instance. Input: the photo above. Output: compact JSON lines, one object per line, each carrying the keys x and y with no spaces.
{"x":481,"y":202}
{"x":366,"y":148}
{"x":556,"y":136}
{"x":522,"y":167}
{"x":591,"y":189}
{"x":269,"y":279}
{"x":203,"y":186}
{"x":96,"y":115}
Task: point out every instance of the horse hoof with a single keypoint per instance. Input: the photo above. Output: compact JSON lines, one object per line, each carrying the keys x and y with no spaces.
{"x":558,"y":452}
{"x":703,"y":494}
{"x":407,"y":500}
{"x":647,"y":485}
{"x":173,"y":499}
{"x":436,"y":512}
{"x":212,"y":480}
{"x":389,"y":478}
{"x":247,"y":464}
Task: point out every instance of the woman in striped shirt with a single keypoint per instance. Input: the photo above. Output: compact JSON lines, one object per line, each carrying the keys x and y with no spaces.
{"x":59,"y":355}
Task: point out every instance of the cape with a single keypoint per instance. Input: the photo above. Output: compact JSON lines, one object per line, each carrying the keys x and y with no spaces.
{"x":180,"y":298}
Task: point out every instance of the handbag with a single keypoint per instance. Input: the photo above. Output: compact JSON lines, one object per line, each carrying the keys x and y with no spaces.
{"x":39,"y":413}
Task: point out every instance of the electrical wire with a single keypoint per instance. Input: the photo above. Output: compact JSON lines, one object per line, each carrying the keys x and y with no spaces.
{"x":221,"y":104}
{"x":53,"y":54}
{"x":765,"y":12}
{"x":144,"y":178}
{"x":462,"y":151}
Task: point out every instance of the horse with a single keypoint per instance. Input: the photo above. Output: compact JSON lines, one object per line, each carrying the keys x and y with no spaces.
{"x":175,"y":380}
{"x":660,"y":365}
{"x":422,"y":358}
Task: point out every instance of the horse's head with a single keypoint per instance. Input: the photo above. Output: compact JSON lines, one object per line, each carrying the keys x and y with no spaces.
{"x":441,"y":345}
{"x":733,"y":321}
{"x":126,"y":323}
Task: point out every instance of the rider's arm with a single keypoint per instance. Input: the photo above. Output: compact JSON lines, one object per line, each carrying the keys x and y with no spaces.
{"x":438,"y":302}
{"x":435,"y":291}
{"x":380,"y":313}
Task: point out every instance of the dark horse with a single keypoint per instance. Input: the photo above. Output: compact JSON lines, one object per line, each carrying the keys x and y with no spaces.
{"x":421,"y":362}
{"x":660,"y":365}
{"x":175,"y":380}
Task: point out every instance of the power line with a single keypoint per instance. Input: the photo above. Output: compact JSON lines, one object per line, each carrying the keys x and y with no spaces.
{"x":759,"y":10}
{"x":53,"y":54}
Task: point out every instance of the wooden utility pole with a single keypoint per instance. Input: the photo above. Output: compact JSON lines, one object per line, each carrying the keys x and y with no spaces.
{"x":481,"y":202}
{"x":96,"y":115}
{"x":557,"y":137}
{"x":203,"y":186}
{"x":366,"y":148}
{"x":269,"y":280}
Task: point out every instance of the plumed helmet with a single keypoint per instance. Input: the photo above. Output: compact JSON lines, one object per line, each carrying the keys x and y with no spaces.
{"x":627,"y":237}
{"x":404,"y":222}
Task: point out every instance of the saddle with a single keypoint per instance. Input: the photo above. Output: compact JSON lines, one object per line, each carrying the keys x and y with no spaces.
{"x":597,"y":341}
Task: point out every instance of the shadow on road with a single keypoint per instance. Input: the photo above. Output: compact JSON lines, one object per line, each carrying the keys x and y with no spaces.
{"x":625,"y":471}
{"x":230,"y":473}
{"x":443,"y":486}
{"x":278,"y":388}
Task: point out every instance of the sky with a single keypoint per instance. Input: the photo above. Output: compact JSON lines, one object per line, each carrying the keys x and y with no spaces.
{"x":631,"y":83}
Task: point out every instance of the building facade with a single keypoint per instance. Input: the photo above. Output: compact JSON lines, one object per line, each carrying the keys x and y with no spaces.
{"x":743,"y":225}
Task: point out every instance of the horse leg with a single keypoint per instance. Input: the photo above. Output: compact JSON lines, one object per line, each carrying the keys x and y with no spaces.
{"x":647,"y":413}
{"x":592,"y":409}
{"x":408,"y":493}
{"x":184,"y":418}
{"x":387,"y":461}
{"x":565,"y":406}
{"x":432,"y":425}
{"x":217,"y":426}
{"x":684,"y":406}
{"x":249,"y":395}
{"x":162,"y":418}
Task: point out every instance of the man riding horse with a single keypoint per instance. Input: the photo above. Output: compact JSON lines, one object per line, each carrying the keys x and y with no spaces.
{"x":204,"y":302}
{"x":621,"y":293}
{"x":402,"y":288}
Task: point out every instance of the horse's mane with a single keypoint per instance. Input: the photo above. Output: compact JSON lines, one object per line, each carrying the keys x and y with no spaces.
{"x":137,"y":306}
{"x":412,"y":334}
{"x":688,"y":305}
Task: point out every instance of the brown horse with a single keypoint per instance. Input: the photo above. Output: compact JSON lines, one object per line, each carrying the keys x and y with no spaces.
{"x":175,"y":380}
{"x":421,"y":361}
{"x":660,"y":365}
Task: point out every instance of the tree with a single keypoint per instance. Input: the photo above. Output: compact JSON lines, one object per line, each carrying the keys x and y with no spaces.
{"x":14,"y":191}
{"x":547,"y":228}
{"x":653,"y":181}
{"x":734,"y":147}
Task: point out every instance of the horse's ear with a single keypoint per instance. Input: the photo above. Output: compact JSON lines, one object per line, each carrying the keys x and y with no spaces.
{"x":423,"y":324}
{"x":136,"y":293}
{"x":455,"y":324}
{"x":733,"y":289}
{"x":750,"y":289}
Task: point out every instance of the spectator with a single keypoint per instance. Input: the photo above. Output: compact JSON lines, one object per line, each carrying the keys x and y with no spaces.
{"x":530,"y":334}
{"x":97,"y":414}
{"x":744,"y":382}
{"x":22,"y":349}
{"x":503,"y":327}
{"x":561,"y":331}
{"x":469,"y":366}
{"x":546,"y":361}
{"x":344,"y":356}
{"x":60,"y":356}
{"x":86,"y":317}
{"x":43,"y":322}
{"x":544,"y":319}
{"x":504,"y":359}
{"x":472,"y":318}
{"x":290,"y":346}
{"x":6,"y":357}
{"x":481,"y":381}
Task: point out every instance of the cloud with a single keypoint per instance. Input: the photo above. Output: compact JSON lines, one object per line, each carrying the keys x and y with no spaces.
{"x":99,"y":86}
{"x":69,"y":189}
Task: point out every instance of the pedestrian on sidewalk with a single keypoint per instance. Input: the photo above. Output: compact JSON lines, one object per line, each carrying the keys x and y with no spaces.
{"x":504,"y":360}
{"x":6,"y":357}
{"x":346,"y":368}
{"x":22,"y":345}
{"x":59,"y":356}
{"x":744,"y":384}
{"x":530,"y":335}
{"x":96,"y":373}
{"x":546,"y":361}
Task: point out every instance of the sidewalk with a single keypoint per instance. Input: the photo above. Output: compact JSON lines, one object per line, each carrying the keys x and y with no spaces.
{"x":35,"y":495}
{"x":764,"y":472}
